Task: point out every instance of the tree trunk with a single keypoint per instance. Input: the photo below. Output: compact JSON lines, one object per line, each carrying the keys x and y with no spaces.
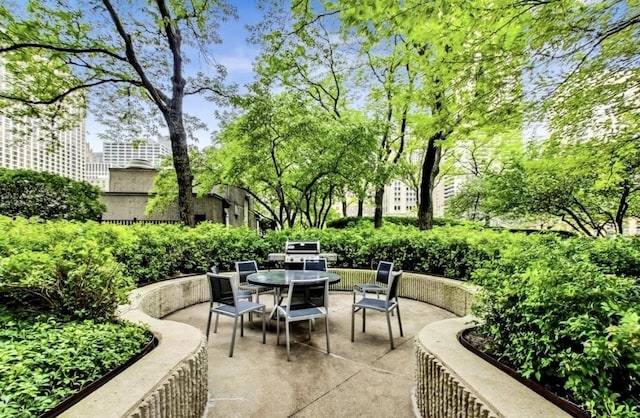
{"x":180,"y":151}
{"x":344,"y":208}
{"x":360,"y":208}
{"x":377,"y":218}
{"x":430,"y":169}
{"x":623,"y":206}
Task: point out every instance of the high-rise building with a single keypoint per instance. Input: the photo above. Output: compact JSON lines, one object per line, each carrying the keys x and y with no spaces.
{"x":65,"y":157}
{"x":25,"y":144}
{"x":120,"y":154}
{"x":399,"y":200}
{"x":97,"y":171}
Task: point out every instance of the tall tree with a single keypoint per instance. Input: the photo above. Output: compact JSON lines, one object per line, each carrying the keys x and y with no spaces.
{"x":481,"y":154}
{"x":309,"y":54}
{"x":466,"y":67}
{"x":133,"y":56}
{"x":289,"y":154}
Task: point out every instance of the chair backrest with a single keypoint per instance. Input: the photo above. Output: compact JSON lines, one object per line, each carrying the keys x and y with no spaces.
{"x":222,"y":289}
{"x":316,"y":264}
{"x":245,"y":268}
{"x":392,"y":291}
{"x":383,"y":273}
{"x":316,"y":292}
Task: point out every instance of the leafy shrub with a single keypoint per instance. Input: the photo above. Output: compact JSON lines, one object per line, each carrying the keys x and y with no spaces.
{"x":156,"y":252}
{"x":557,"y":318}
{"x":42,"y":361}
{"x":618,"y":256}
{"x":43,"y":195}
{"x":57,"y":268}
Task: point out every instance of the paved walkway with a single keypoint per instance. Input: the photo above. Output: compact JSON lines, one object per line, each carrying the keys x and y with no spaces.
{"x":360,"y":379}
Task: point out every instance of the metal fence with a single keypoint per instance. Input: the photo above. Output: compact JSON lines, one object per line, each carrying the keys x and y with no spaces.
{"x":139,"y":221}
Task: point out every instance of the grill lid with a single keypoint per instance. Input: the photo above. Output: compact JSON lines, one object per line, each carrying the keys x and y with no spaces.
{"x":302,"y":247}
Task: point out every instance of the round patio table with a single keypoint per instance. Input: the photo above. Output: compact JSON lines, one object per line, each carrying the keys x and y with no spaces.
{"x":282,"y":278}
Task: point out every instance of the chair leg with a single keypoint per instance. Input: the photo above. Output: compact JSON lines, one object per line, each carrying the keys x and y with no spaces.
{"x":353,"y":320}
{"x":233,"y":336}
{"x":288,"y":341}
{"x":242,"y":325}
{"x":277,"y":327}
{"x":399,"y":321}
{"x":310,"y":325}
{"x":326,"y":327}
{"x":364,"y":319}
{"x":264,"y":325}
{"x":215,"y":328}
{"x":209,"y":323}
{"x":257,"y":301}
{"x":389,"y":326}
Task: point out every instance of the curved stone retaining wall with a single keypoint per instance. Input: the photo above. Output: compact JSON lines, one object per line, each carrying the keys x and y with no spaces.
{"x":170,"y":381}
{"x":451,"y":381}
{"x":452,"y":295}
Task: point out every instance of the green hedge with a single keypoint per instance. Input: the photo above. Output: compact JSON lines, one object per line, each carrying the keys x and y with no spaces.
{"x":561,"y":319}
{"x":43,"y":195}
{"x":64,"y":268}
{"x":367,"y":221}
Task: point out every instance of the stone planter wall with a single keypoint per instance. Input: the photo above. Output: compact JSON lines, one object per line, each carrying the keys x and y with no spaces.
{"x":170,"y":381}
{"x":452,"y":295}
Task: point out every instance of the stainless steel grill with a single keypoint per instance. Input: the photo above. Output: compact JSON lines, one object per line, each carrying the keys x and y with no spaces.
{"x":295,"y":252}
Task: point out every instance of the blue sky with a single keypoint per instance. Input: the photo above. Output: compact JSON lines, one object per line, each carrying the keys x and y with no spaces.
{"x":234,"y":53}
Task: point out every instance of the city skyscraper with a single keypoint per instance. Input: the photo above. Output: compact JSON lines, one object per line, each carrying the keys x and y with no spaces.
{"x":31,"y":152}
{"x":25,"y":144}
{"x":119,"y":154}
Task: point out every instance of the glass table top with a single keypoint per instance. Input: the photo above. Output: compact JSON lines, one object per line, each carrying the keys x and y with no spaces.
{"x":282,"y":278}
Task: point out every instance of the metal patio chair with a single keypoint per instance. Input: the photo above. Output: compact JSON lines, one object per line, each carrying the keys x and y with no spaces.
{"x":226,"y":301}
{"x":245,"y":268}
{"x":307,"y":310}
{"x":386,"y":305}
{"x":383,"y":273}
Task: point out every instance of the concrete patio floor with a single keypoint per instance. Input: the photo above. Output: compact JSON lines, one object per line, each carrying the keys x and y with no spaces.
{"x":360,"y":379}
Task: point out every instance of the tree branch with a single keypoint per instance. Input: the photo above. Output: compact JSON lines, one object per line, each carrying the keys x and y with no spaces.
{"x":66,"y":93}
{"x":159,"y":98}
{"x":69,"y":50}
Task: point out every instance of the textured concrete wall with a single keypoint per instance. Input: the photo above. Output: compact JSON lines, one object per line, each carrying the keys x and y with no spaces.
{"x":127,"y":206}
{"x":451,"y":381}
{"x":452,"y":295}
{"x":131,"y":180}
{"x":439,"y":393}
{"x":170,"y":381}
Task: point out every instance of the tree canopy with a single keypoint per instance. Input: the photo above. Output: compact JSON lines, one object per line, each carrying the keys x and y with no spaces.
{"x":423,"y":78}
{"x":290,"y":155}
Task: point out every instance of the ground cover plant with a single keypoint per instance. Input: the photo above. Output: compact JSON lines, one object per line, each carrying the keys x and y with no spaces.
{"x":43,"y":360}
